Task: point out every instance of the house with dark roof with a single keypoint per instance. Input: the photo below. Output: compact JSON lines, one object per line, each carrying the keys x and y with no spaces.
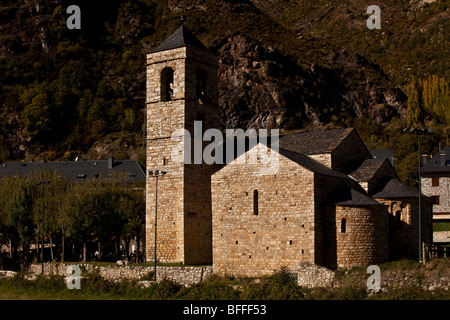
{"x":384,"y":154}
{"x":436,"y":183}
{"x":79,"y":171}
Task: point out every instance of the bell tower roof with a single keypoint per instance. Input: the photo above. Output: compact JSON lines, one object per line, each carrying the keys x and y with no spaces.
{"x":182,"y":37}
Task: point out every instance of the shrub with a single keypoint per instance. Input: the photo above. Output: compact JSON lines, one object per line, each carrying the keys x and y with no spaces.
{"x":279,"y":286}
{"x":215,"y":288}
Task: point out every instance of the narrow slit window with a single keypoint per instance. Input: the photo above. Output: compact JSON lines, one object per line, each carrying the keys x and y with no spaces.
{"x":343,"y":225}
{"x":255,"y":202}
{"x":200,"y":88}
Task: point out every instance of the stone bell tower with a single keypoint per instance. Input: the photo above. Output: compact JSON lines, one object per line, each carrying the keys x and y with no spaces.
{"x":182,"y":86}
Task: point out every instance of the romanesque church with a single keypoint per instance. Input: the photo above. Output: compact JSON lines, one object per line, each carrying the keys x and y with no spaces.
{"x":330,"y":203}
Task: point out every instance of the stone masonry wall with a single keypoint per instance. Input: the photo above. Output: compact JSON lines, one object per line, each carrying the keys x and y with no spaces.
{"x":365,"y":240}
{"x":162,"y":119}
{"x":443,"y":190}
{"x":325,"y":223}
{"x":403,"y":225}
{"x":441,"y":235}
{"x":184,"y":203}
{"x":181,"y":275}
{"x":282,"y":232}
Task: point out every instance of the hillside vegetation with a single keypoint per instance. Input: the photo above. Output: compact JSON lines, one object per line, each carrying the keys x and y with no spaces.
{"x":290,"y":64}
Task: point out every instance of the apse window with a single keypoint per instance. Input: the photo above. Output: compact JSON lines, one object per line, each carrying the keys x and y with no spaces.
{"x":343,"y":225}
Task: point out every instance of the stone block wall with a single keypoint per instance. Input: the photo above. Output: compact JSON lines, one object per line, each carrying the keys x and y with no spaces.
{"x":182,"y":275}
{"x":349,"y":154}
{"x":325,"y":223}
{"x":443,"y":191}
{"x":365,"y":239}
{"x":280,"y":234}
{"x":184,"y":220}
{"x":404,"y":226}
{"x":312,"y":276}
{"x":323,"y":158}
{"x":441,"y":235}
{"x":308,"y":275}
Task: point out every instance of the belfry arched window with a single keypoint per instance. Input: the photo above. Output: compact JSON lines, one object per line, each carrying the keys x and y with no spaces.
{"x":167,"y":84}
{"x":200,"y":88}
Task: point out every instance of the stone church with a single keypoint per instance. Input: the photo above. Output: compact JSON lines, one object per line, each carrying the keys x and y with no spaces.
{"x":330,"y":203}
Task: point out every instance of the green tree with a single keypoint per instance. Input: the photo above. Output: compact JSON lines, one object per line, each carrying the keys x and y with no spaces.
{"x":414,"y":111}
{"x":36,"y":116}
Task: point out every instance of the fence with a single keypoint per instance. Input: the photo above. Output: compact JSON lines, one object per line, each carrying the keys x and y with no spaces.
{"x":434,"y":251}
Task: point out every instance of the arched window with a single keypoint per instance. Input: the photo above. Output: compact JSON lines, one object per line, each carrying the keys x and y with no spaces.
{"x":167,"y":84}
{"x":255,"y":202}
{"x":200,"y":88}
{"x":343,"y":225}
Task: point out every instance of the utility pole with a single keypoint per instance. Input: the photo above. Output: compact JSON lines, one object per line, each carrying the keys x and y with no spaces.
{"x":155,"y":175}
{"x":43,"y":183}
{"x":419,"y":132}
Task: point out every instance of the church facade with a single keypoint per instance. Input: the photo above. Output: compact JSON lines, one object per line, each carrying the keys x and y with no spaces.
{"x":329,"y":202}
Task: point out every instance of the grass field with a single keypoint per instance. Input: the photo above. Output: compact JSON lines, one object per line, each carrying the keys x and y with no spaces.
{"x":445,"y":226}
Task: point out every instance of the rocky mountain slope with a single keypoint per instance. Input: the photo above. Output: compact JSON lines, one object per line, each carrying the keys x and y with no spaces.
{"x":285,"y":64}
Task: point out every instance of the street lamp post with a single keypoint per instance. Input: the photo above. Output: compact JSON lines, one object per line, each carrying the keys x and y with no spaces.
{"x":419,"y":132}
{"x":43,"y":183}
{"x":155,"y":174}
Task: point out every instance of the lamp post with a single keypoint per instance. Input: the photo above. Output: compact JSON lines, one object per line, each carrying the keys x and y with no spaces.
{"x":155,"y":174}
{"x":419,"y":132}
{"x":43,"y":183}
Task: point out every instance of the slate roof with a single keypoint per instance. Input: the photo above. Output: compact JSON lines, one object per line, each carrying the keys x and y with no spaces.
{"x":182,"y":37}
{"x":394,"y":188}
{"x":437,"y":164}
{"x":367,"y":170}
{"x":314,"y":142}
{"x":78,"y":170}
{"x":346,"y":196}
{"x":383,"y":154}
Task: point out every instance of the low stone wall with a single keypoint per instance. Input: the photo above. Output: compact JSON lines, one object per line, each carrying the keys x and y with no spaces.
{"x":311,"y":275}
{"x":182,"y":275}
{"x":441,"y":235}
{"x":428,"y":277}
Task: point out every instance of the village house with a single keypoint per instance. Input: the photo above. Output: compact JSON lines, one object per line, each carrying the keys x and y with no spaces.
{"x":436,"y":184}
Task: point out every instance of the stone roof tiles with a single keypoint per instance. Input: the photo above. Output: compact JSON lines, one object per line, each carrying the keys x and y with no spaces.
{"x":346,"y":196}
{"x":394,"y":188}
{"x":440,"y":162}
{"x":383,"y":154}
{"x":182,"y":37}
{"x":78,"y":170}
{"x":367,"y":170}
{"x":314,"y":142}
